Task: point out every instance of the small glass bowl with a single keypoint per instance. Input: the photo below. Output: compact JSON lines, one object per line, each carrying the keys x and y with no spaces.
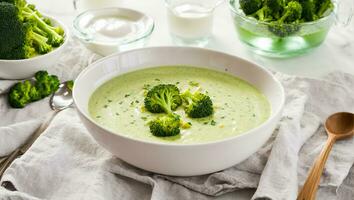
{"x":261,"y":39}
{"x":109,"y":30}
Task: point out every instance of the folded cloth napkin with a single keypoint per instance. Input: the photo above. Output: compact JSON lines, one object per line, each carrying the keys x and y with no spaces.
{"x":66,"y":162}
{"x":16,"y":125}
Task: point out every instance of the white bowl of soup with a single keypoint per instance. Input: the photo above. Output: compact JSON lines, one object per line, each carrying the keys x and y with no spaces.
{"x":247,"y":104}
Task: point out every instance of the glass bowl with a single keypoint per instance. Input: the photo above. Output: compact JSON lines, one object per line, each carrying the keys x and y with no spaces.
{"x":261,"y":38}
{"x":109,"y":30}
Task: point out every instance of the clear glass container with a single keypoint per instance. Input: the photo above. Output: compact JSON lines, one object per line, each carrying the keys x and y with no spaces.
{"x":83,"y":5}
{"x":263,"y":39}
{"x":109,"y":30}
{"x":191,"y":21}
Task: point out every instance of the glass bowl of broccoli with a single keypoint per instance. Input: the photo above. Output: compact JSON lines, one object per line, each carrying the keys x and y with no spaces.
{"x":282,"y":28}
{"x":30,"y":40}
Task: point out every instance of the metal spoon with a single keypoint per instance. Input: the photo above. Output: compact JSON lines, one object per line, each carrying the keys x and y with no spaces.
{"x":62,"y":98}
{"x":59,"y":101}
{"x":338,"y":126}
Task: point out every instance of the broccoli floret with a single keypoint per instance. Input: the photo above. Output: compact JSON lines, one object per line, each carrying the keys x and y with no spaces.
{"x":163,"y":98}
{"x":11,"y":40}
{"x":26,"y":92}
{"x":287,"y":24}
{"x":292,"y":12}
{"x":70,"y":84}
{"x":309,"y":10}
{"x":197,"y":105}
{"x":35,"y":94}
{"x":165,"y":126}
{"x":264,"y":14}
{"x":46,"y":84}
{"x":17,"y":3}
{"x":53,"y":33}
{"x":36,"y":40}
{"x":276,"y":7}
{"x":250,"y":6}
{"x":23,"y":32}
{"x":19,"y":95}
{"x":323,"y":7}
{"x":283,"y":30}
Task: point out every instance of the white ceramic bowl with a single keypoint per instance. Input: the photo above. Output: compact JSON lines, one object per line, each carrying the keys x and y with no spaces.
{"x":25,"y":68}
{"x":179,"y":159}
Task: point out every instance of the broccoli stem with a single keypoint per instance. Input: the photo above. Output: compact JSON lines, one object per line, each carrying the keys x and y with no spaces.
{"x":165,"y":103}
{"x":282,"y":18}
{"x":39,"y":31}
{"x":324,"y":7}
{"x":54,"y":37}
{"x":261,"y":15}
{"x":40,"y":42}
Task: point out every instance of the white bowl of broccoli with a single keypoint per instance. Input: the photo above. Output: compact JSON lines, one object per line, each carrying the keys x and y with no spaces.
{"x":30,"y":41}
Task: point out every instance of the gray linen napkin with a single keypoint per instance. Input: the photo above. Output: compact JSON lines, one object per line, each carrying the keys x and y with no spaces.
{"x":66,"y":163}
{"x":16,"y":125}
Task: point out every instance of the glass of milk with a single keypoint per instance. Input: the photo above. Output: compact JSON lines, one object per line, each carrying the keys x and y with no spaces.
{"x":191,"y":21}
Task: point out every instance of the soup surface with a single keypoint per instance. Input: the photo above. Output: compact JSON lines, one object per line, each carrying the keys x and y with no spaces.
{"x":118,"y":104}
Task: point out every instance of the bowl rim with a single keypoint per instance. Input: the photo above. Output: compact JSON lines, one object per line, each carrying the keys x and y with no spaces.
{"x":254,"y":21}
{"x":148,"y":31}
{"x":66,"y":40}
{"x":244,"y":134}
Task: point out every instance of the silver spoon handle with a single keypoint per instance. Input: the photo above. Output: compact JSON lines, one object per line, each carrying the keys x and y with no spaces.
{"x":22,"y":149}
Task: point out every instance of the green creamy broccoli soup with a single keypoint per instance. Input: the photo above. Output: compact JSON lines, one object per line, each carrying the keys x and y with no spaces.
{"x":118,"y":105}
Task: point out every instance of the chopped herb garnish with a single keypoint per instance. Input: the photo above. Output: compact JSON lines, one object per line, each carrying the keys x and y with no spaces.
{"x":105,"y":106}
{"x":223,"y":117}
{"x":186,"y":125}
{"x":156,"y":79}
{"x":117,"y":113}
{"x":136,"y":101}
{"x":144,"y":118}
{"x":98,"y":116}
{"x":109,"y":101}
{"x":254,"y":115}
{"x":206,"y":123}
{"x":126,"y":95}
{"x":177,"y":82}
{"x":193,"y":83}
{"x":146,"y":86}
{"x":213,"y":123}
{"x":121,"y":102}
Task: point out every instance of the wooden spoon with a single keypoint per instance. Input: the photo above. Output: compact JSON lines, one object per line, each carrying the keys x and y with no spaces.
{"x":338,"y":126}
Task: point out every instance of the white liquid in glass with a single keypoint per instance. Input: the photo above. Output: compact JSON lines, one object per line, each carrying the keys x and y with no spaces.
{"x":190,"y":21}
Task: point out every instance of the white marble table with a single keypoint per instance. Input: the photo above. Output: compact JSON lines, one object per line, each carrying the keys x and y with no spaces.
{"x":337,"y":52}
